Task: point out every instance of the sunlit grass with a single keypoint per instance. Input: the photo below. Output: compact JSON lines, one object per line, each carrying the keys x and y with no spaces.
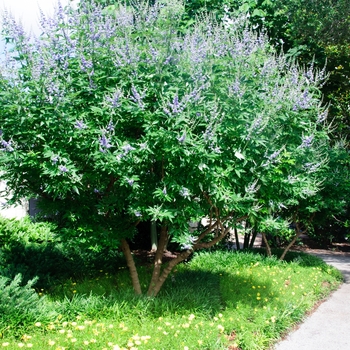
{"x":219,"y":300}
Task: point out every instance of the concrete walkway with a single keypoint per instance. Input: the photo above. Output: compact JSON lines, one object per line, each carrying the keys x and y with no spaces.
{"x":328,"y":328}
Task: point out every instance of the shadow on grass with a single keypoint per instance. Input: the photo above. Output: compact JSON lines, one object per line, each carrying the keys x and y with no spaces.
{"x":53,"y":262}
{"x":85,"y":281}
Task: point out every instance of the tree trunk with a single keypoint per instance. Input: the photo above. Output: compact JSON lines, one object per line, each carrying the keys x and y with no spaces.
{"x":238,"y":247}
{"x":132,"y":268}
{"x":154,"y":238}
{"x":158,"y":259}
{"x":290,"y":245}
{"x":251,"y":244}
{"x":246,"y":236}
{"x":268,"y":249}
{"x":155,"y":288}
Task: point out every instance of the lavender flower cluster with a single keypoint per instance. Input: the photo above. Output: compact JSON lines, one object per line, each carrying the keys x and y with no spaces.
{"x":137,"y":98}
{"x":306,"y":141}
{"x":6,"y":146}
{"x":104,"y":143}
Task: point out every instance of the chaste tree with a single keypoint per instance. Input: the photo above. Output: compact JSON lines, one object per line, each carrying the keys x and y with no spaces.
{"x":116,"y":115}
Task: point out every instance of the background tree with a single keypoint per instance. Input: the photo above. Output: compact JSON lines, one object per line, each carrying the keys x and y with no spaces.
{"x":115,"y":116}
{"x":309,"y":31}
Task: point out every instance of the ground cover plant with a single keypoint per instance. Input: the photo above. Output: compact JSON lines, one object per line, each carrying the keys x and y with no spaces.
{"x":217,"y":300}
{"x":116,"y":115}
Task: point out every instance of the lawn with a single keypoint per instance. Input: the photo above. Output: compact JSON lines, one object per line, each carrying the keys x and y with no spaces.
{"x":216,"y":300}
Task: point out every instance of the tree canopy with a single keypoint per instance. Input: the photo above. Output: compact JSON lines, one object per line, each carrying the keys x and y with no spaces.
{"x":117,"y":115}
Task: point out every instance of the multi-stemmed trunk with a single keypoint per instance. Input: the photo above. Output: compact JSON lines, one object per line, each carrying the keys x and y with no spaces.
{"x":160,"y":272}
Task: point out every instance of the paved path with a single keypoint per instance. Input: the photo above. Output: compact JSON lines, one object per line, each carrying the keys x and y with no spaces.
{"x":328,"y":328}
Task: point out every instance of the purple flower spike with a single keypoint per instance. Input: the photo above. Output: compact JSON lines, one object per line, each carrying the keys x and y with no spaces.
{"x":127,"y":148}
{"x":114,"y":99}
{"x":137,"y":98}
{"x":63,"y":169}
{"x":55,"y":159}
{"x":138,"y":214}
{"x":131,"y":182}
{"x":110,"y":126}
{"x":7,"y":146}
{"x":184,"y":192}
{"x":306,"y":141}
{"x":104,"y":142}
{"x":182,"y":138}
{"x":79,"y":124}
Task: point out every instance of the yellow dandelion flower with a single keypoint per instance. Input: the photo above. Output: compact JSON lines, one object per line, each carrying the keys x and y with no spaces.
{"x":38,"y":324}
{"x":6,"y":344}
{"x":29,"y":345}
{"x":185,"y":325}
{"x":61,"y":331}
{"x":51,"y":342}
{"x":200,"y":342}
{"x":273,"y":319}
{"x":116,"y":347}
{"x":186,"y":348}
{"x":73,"y":340}
{"x":137,"y":342}
{"x":86,"y":342}
{"x":110,"y":326}
{"x":130,"y":344}
{"x":65,"y":324}
{"x":216,"y":319}
{"x":93,"y":341}
{"x":191,"y":317}
{"x":20,"y":345}
{"x":73,"y":324}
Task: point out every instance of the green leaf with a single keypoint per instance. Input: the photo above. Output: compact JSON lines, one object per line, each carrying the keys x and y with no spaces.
{"x":97,"y":110}
{"x":239,"y":155}
{"x":258,"y":13}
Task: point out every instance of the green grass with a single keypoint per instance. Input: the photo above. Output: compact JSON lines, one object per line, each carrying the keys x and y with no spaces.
{"x":55,"y":295}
